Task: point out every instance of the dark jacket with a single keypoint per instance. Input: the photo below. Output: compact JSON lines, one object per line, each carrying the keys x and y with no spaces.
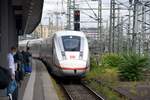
{"x":26,"y":56}
{"x":5,"y":78}
{"x":18,"y":57}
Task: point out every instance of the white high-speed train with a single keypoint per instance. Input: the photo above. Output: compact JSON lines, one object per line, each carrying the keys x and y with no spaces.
{"x":66,"y":52}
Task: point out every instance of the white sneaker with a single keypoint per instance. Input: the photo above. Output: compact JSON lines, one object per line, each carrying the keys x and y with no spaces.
{"x":10,"y":96}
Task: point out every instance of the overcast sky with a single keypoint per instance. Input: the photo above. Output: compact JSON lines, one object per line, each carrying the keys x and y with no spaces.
{"x":51,"y":6}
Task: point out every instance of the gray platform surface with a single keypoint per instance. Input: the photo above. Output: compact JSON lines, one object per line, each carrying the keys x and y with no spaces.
{"x":40,"y":85}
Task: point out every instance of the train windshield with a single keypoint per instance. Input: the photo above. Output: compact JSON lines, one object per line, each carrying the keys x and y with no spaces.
{"x":71,"y":43}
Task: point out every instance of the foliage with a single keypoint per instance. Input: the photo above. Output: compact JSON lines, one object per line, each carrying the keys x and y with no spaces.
{"x":106,"y":74}
{"x":94,"y":73}
{"x":112,"y":60}
{"x":132,"y":65}
{"x":110,"y":75}
{"x":94,"y":62}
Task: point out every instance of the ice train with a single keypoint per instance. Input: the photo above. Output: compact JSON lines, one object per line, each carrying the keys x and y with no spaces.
{"x":66,"y":53}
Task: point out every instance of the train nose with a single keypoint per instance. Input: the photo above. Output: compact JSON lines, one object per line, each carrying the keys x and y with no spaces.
{"x":73,"y":67}
{"x":73,"y":64}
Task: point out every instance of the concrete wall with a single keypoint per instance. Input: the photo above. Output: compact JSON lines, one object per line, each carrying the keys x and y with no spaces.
{"x":8,"y":30}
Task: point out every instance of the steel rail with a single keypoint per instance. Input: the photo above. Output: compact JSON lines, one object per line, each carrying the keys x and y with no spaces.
{"x":87,"y":88}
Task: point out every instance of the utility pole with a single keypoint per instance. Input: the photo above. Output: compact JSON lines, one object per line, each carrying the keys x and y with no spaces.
{"x":99,"y":29}
{"x":135,"y":18}
{"x":112,"y":26}
{"x":68,"y":14}
{"x":129,"y":27}
{"x":143,"y":27}
{"x":121,"y":34}
{"x":118,"y":29}
{"x":73,"y":8}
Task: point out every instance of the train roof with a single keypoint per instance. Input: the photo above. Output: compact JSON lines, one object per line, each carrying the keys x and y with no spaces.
{"x":24,"y":42}
{"x":36,"y":40}
{"x":74,"y":33}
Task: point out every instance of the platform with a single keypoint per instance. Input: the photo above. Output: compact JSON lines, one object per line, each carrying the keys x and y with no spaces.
{"x":39,"y":86}
{"x":35,"y":86}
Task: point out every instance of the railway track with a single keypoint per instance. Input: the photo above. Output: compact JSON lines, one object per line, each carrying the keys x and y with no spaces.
{"x":80,"y":92}
{"x":77,"y":90}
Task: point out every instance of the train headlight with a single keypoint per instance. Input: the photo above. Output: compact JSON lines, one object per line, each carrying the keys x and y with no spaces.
{"x":81,"y":55}
{"x":63,"y":55}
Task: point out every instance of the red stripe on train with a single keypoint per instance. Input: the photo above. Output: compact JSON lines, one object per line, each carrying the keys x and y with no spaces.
{"x":66,"y":68}
{"x":74,"y":68}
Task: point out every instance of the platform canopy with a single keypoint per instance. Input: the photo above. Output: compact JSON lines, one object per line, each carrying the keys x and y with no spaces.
{"x":28,"y":14}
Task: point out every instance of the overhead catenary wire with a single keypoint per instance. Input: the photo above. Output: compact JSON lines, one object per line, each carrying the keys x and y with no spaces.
{"x":91,"y":9}
{"x":124,"y":20}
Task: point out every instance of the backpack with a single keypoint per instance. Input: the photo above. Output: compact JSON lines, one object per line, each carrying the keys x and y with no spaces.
{"x":5,"y":78}
{"x":26,"y":56}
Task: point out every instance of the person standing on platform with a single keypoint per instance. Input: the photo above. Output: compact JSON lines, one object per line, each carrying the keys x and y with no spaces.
{"x":12,"y":67}
{"x":27,"y":59}
{"x":18,"y":58}
{"x":28,"y":56}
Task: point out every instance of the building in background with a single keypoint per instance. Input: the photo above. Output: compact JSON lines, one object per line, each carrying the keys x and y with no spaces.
{"x":44,"y":31}
{"x":41,"y":31}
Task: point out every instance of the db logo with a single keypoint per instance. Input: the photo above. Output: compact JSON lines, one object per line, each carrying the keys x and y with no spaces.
{"x":72,"y":57}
